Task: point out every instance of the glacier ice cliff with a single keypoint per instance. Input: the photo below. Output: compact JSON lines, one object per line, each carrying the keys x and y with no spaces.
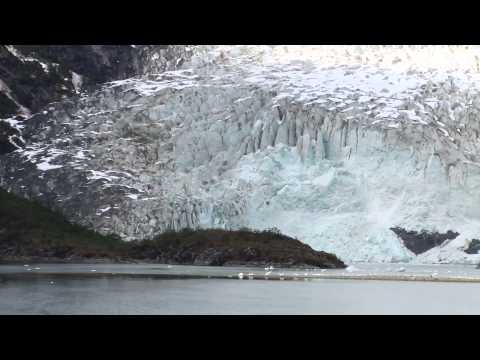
{"x":331,"y":145}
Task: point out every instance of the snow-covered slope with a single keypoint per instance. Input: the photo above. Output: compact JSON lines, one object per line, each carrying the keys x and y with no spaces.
{"x":333,"y":145}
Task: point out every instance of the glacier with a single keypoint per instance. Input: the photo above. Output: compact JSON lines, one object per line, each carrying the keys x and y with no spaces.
{"x":333,"y":145}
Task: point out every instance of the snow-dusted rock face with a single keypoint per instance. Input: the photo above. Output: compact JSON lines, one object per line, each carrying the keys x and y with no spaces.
{"x":326,"y":145}
{"x":33,"y":75}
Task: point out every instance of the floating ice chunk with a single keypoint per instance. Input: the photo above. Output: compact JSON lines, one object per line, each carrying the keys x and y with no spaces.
{"x":351,"y":268}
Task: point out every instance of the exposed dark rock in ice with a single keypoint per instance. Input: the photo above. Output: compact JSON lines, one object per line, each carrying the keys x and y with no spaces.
{"x":473,"y":247}
{"x":420,"y":242}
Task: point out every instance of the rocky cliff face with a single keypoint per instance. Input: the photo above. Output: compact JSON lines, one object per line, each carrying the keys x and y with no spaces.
{"x":33,"y":76}
{"x":335,"y":152}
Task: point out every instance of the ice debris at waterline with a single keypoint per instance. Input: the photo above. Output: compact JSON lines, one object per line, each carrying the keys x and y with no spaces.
{"x":334,"y":146}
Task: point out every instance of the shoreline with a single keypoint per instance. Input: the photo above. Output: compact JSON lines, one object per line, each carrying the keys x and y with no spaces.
{"x":172,"y":271}
{"x":104,"y":261}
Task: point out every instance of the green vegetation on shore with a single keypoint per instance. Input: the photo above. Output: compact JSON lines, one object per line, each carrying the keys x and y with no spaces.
{"x":29,"y":231}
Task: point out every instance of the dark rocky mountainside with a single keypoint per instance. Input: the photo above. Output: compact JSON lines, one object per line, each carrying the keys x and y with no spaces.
{"x":32,"y":76}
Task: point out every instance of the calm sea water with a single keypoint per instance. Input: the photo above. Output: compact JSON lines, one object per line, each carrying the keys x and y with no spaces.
{"x":146,"y":289}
